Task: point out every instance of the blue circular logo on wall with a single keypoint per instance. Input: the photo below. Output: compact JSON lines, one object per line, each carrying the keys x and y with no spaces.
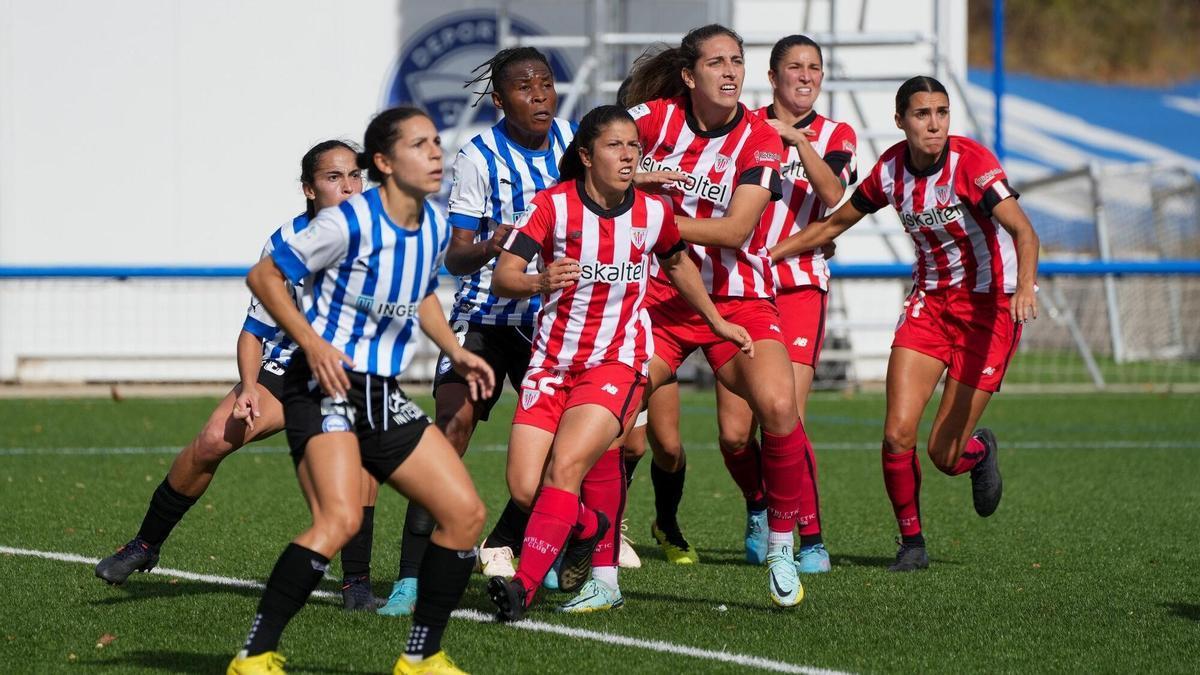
{"x":436,"y":62}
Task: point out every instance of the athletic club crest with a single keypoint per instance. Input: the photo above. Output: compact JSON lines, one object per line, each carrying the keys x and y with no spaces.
{"x":942,"y":192}
{"x":638,"y":236}
{"x":722,"y":163}
{"x":529,"y":397}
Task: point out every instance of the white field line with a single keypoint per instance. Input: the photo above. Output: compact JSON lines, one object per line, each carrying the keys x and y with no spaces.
{"x":499,"y":447}
{"x":479,"y":617}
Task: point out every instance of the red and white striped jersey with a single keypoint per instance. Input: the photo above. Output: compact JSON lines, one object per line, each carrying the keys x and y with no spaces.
{"x":835,"y":142}
{"x":947,"y":210}
{"x":746,"y":150}
{"x":599,"y":318}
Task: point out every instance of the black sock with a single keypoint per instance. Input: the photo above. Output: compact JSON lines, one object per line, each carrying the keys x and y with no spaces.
{"x":296,"y":574}
{"x":167,"y":507}
{"x":510,"y":529}
{"x":811,"y":539}
{"x":444,"y":577}
{"x":418,"y":525}
{"x":356,"y":554}
{"x":917,"y":539}
{"x":757,"y":505}
{"x":630,"y":464}
{"x":668,"y":491}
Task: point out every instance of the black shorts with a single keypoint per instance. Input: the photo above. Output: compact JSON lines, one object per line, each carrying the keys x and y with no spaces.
{"x":270,"y":376}
{"x":388,"y":425}
{"x":507,"y":349}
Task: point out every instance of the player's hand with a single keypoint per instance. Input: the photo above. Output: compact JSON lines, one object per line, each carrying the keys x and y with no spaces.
{"x":246,"y":407}
{"x":558,"y":274}
{"x":476,"y":371}
{"x":790,"y":134}
{"x":327,"y":364}
{"x":658,"y":182}
{"x":1023,"y":306}
{"x":495,"y":244}
{"x":828,"y":250}
{"x":735,"y":334}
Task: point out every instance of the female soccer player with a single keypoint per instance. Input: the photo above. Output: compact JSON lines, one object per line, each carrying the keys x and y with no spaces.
{"x":496,"y":175}
{"x":689,"y":120}
{"x":252,"y":410}
{"x":595,"y":233}
{"x":372,"y":266}
{"x":817,"y":167}
{"x":973,"y":288}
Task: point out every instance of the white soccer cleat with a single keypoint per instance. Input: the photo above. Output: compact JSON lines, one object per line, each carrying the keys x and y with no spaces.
{"x":497,"y":562}
{"x":627,"y":557}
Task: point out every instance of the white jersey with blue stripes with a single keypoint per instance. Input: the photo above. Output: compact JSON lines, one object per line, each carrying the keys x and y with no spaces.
{"x":364,"y":278}
{"x":277,"y":346}
{"x":494,"y":181}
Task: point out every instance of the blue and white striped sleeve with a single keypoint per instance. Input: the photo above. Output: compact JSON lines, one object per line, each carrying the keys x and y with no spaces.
{"x":468,"y":194}
{"x":321,"y":245}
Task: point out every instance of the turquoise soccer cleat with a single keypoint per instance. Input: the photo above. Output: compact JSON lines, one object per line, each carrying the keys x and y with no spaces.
{"x":756,"y":537}
{"x":785,"y":587}
{"x":594,"y":596}
{"x":813,"y":559}
{"x":403,"y":599}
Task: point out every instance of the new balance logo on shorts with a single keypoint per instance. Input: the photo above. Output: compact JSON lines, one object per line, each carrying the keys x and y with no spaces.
{"x":611,"y":389}
{"x":800,"y":342}
{"x":989,"y":371}
{"x":775,"y":328}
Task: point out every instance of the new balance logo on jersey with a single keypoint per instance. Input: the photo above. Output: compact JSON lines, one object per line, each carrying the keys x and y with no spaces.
{"x":610,"y":389}
{"x":616,"y":273}
{"x":697,"y":186}
{"x":938,"y":217}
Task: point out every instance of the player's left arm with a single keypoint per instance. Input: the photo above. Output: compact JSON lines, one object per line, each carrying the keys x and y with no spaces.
{"x":1023,"y":306}
{"x":249,"y":360}
{"x":478,"y":374}
{"x":735,"y":227}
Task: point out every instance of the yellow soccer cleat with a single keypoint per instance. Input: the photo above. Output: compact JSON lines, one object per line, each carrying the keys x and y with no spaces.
{"x":678,"y":552}
{"x":438,"y":664}
{"x":266,"y":663}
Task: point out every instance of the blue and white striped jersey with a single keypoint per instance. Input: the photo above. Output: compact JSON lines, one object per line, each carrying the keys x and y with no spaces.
{"x":277,"y":346}
{"x":494,"y":181}
{"x":364,"y":278}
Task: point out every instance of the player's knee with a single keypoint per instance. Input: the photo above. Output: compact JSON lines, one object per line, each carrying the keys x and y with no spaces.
{"x":212,"y":446}
{"x":457,"y":427}
{"x":670,"y":456}
{"x":899,"y":437}
{"x":523,"y":493}
{"x":733,"y":441}
{"x":778,"y":415}
{"x":944,"y":458}
{"x":463,"y":522}
{"x":566,"y":472}
{"x":339,"y":524}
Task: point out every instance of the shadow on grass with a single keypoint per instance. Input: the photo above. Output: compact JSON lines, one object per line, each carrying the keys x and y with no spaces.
{"x":843,"y":560}
{"x":142,"y":588}
{"x":1183,"y":610}
{"x":183,"y":662}
{"x":765,"y":607}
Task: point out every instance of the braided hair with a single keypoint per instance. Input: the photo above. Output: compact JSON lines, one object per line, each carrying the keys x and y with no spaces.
{"x":491,"y":73}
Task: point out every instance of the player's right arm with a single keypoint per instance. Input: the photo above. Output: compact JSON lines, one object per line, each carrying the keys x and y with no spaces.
{"x":249,"y":360}
{"x":818,"y":234}
{"x":468,"y":211}
{"x":527,"y":241}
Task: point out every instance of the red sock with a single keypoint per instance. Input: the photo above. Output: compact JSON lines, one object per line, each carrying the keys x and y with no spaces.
{"x":604,"y":490}
{"x":809,"y":518}
{"x":745,"y":467}
{"x":902,"y":478}
{"x":974,"y":452}
{"x":554,"y":514}
{"x":782,"y":457}
{"x":585,"y":523}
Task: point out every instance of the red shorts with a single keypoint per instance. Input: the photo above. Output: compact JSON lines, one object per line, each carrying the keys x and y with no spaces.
{"x":803,"y":313}
{"x":547,"y":393}
{"x":971,"y":333}
{"x":679,"y":329}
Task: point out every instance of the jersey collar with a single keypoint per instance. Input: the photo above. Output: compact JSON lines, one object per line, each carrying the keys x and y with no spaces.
{"x":711,"y":133}
{"x":591,"y":205}
{"x":803,"y":123}
{"x":934,"y":168}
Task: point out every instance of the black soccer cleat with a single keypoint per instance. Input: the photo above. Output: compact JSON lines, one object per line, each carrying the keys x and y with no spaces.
{"x":138,"y":555}
{"x":909,"y":558}
{"x":577,"y":558}
{"x":357,"y":595}
{"x":986,"y":484}
{"x":509,"y":596}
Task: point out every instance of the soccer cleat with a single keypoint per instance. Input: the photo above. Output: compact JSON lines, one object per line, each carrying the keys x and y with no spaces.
{"x":812,"y":559}
{"x":357,"y":595}
{"x":438,"y":664}
{"x":595,"y":596}
{"x":509,"y":596}
{"x":137,"y":555}
{"x":756,"y":537}
{"x":577,"y":557}
{"x":678,"y":551}
{"x":266,"y":663}
{"x":496,"y":562}
{"x":786,"y":589}
{"x":909,"y":558}
{"x":550,"y":581}
{"x":986,"y":485}
{"x":626,"y":556}
{"x":403,"y":599}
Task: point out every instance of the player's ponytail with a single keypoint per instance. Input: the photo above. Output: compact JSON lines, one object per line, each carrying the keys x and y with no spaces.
{"x":913,"y":85}
{"x":308,"y":165}
{"x":381,"y":134}
{"x":659,"y":74}
{"x":571,"y":167}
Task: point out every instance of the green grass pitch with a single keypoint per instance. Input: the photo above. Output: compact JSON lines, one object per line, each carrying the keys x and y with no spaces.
{"x":1090,"y":564}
